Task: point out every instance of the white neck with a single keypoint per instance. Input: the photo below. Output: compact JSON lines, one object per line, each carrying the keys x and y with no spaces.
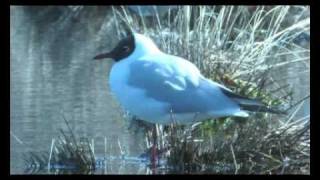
{"x":144,"y":45}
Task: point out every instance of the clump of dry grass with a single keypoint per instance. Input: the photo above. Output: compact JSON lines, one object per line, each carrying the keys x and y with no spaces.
{"x":68,"y":155}
{"x":240,"y":47}
{"x":248,"y":147}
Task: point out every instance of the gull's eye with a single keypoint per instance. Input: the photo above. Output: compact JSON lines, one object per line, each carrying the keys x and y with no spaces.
{"x":125,"y":48}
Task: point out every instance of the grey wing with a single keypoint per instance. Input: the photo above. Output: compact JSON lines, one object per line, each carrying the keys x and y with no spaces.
{"x":185,"y":91}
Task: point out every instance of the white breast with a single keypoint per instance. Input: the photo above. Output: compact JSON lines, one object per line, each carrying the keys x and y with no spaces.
{"x":134,"y":99}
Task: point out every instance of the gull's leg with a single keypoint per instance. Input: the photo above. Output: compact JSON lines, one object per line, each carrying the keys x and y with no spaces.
{"x":154,"y":149}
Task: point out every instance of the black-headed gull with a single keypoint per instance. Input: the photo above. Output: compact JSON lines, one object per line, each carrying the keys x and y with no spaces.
{"x":162,"y":88}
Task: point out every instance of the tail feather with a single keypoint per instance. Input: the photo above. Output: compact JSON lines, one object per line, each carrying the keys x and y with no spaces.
{"x":248,"y":104}
{"x":260,"y":108}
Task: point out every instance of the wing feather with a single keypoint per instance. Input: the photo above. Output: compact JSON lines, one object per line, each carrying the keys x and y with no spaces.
{"x":179,"y":83}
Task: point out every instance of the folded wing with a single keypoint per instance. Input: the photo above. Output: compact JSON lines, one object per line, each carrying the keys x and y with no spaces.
{"x":179,"y":83}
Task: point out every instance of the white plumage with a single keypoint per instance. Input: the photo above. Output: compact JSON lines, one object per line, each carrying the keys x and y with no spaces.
{"x":162,"y":88}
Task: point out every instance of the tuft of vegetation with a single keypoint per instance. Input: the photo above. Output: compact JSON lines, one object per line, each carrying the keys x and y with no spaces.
{"x":241,"y":47}
{"x":246,"y":147}
{"x":68,"y":155}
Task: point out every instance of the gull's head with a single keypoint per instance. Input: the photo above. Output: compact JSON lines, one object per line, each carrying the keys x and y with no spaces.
{"x":134,"y":45}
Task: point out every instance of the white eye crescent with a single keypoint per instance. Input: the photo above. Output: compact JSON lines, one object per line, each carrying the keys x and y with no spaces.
{"x":125,"y":48}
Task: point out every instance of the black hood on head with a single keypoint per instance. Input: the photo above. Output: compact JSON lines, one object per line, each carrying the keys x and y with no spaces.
{"x":124,"y":48}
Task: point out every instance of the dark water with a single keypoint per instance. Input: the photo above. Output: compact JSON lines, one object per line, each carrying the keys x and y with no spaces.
{"x":52,"y":74}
